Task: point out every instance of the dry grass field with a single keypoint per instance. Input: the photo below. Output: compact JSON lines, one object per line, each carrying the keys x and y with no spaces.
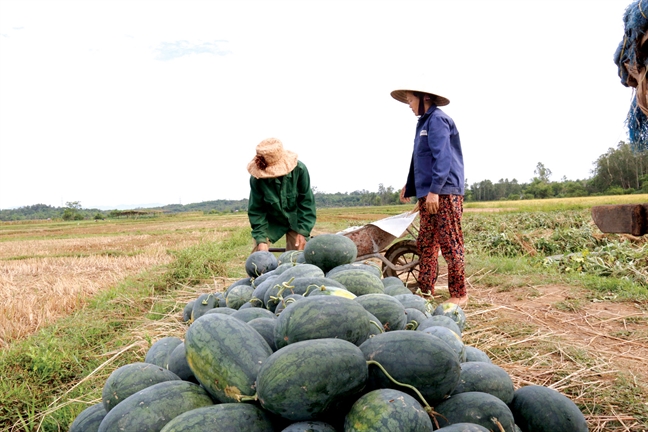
{"x":49,"y":270}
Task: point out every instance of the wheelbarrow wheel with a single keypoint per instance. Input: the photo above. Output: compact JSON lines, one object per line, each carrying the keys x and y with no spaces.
{"x":403,"y":254}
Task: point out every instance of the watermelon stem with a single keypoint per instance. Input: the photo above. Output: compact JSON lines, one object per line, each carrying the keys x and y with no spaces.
{"x":308,"y":288}
{"x":426,"y":407}
{"x":382,"y":330}
{"x":498,"y":424}
{"x":248,"y":398}
{"x":412,"y":325}
{"x":411,"y":387}
{"x":285,"y":285}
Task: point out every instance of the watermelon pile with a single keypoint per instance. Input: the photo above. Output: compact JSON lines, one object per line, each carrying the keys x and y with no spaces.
{"x":313,"y":341}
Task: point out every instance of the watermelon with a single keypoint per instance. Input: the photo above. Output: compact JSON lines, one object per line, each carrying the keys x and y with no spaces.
{"x":387,"y":410}
{"x":283,"y":267}
{"x":464,"y":427}
{"x":221,"y":299}
{"x":300,"y":270}
{"x":222,"y":417}
{"x":480,"y":408}
{"x":251,"y":313}
{"x":451,"y":338}
{"x":453,"y":311}
{"x":260,"y":262}
{"x":289,"y":257}
{"x":410,"y":300}
{"x":334,"y":291}
{"x":258,"y":294}
{"x":322,"y":317}
{"x":414,"y":317}
{"x":475,"y":354}
{"x":242,"y":281}
{"x":159,"y":352}
{"x":265,"y":276}
{"x":284,"y":283}
{"x":306,"y":380}
{"x":225,"y":355}
{"x":292,"y":298}
{"x":387,"y":309}
{"x":394,"y":290}
{"x":359,"y":282}
{"x":221,"y":310}
{"x":89,"y":419}
{"x":375,"y":326}
{"x":414,"y":358}
{"x":177,"y":363}
{"x":542,"y":409}
{"x":371,"y":268}
{"x":327,"y":251}
{"x":440,"y":320}
{"x":302,"y":285}
{"x":152,"y":408}
{"x":392,"y":281}
{"x":202,"y":304}
{"x":486,"y":378}
{"x":265,"y":327}
{"x":186,"y":312}
{"x":238,"y":296}
{"x":131,"y":378}
{"x":309,"y":426}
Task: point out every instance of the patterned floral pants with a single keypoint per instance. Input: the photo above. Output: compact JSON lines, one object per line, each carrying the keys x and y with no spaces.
{"x":442,"y":231}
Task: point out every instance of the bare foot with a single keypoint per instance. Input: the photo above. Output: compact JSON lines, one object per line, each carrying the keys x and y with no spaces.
{"x":459,"y":301}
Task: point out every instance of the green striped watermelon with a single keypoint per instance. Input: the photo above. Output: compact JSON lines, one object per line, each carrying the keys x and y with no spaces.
{"x":306,"y":380}
{"x":387,"y":410}
{"x":431,"y":365}
{"x":225,"y":355}
{"x":131,"y":378}
{"x":543,"y":409}
{"x":322,"y":317}
{"x":155,"y":406}
{"x":222,"y":417}
{"x":480,"y":408}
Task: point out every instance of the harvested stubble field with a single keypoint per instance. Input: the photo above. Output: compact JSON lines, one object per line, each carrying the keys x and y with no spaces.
{"x":50,"y":270}
{"x":542,"y":327}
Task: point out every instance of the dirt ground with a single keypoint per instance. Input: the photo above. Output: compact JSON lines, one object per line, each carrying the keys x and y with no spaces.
{"x":594,"y":341}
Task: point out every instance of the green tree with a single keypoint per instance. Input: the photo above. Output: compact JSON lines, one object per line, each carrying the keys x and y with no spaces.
{"x":620,"y":167}
{"x":542,"y":172}
{"x":72,"y":211}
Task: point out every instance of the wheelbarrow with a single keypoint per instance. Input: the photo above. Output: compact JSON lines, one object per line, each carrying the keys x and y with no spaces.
{"x":377,"y":240}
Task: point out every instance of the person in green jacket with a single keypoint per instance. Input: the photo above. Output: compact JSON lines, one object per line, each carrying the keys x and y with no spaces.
{"x":281,"y":200}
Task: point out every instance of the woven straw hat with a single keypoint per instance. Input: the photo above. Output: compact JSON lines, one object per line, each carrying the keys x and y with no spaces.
{"x":401,"y":96}
{"x":272,"y":160}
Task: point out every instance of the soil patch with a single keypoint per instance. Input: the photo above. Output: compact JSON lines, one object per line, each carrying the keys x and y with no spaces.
{"x":593,"y":342}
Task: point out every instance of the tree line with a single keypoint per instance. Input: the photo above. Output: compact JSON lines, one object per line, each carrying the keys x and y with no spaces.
{"x":618,"y":171}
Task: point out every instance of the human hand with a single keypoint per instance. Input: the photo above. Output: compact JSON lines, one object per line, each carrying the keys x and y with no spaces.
{"x":301,"y":242}
{"x":432,"y":203}
{"x":403,"y":198}
{"x":262,"y":247}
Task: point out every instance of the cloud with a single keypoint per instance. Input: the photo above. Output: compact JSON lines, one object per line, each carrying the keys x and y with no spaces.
{"x":172,"y":50}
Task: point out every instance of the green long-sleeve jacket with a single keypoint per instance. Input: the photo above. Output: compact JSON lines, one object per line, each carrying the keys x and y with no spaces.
{"x":278,"y":205}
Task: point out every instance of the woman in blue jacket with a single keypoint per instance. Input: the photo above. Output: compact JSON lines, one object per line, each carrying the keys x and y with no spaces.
{"x":436,"y":179}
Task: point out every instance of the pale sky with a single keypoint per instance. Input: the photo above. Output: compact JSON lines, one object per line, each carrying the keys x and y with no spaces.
{"x":138,"y":103}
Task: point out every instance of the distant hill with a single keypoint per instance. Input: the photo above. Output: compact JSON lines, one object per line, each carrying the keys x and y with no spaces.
{"x":44,"y":211}
{"x":386,"y":196}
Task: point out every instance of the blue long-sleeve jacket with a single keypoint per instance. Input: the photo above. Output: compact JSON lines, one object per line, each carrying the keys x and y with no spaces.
{"x":437,"y":160}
